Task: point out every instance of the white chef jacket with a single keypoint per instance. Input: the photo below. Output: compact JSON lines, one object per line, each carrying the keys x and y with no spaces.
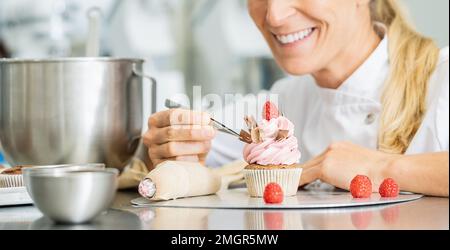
{"x":350,"y":113}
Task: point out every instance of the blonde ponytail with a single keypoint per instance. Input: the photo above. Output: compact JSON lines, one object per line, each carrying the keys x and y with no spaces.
{"x":413,"y":59}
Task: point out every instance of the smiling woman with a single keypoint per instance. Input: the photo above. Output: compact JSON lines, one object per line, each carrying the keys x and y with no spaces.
{"x":335,"y":41}
{"x":321,"y":38}
{"x":368,"y":95}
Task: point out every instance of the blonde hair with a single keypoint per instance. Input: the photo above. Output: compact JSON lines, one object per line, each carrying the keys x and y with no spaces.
{"x":413,"y":59}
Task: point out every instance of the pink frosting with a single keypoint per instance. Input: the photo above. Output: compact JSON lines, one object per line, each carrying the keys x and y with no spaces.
{"x":271,"y":151}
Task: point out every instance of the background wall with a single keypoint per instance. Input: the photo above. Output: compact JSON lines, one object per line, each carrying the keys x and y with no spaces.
{"x":431,"y":18}
{"x":212,"y":43}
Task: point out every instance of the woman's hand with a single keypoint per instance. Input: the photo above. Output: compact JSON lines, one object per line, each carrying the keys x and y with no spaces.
{"x":342,"y":161}
{"x":180,"y":135}
{"x":426,"y":174}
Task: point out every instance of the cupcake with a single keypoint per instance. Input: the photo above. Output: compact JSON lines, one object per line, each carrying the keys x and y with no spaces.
{"x":272,"y":153}
{"x":11,"y":177}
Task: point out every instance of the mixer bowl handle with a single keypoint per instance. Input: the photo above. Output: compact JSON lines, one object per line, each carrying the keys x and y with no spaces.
{"x":153,"y":87}
{"x":135,"y":141}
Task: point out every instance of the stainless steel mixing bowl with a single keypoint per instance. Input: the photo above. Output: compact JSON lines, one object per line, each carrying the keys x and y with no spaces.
{"x":54,"y":169}
{"x":71,"y":110}
{"x":74,"y":197}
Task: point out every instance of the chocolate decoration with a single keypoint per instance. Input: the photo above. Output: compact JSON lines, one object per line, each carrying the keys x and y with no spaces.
{"x":282,"y":134}
{"x":251,"y":122}
{"x":245,"y":137}
{"x":257,"y":135}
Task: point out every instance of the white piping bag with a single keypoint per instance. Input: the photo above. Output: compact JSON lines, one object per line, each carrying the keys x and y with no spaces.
{"x":173,"y":180}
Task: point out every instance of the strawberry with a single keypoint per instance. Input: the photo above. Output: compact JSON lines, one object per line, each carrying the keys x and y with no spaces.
{"x":270,"y":111}
{"x":389,"y":189}
{"x":273,"y":194}
{"x":361,"y":187}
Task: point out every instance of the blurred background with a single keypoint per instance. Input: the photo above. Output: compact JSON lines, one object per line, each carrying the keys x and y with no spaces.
{"x":212,"y":43}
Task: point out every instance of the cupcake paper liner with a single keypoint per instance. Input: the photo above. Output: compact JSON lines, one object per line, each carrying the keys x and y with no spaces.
{"x":257,"y":180}
{"x":11,"y":181}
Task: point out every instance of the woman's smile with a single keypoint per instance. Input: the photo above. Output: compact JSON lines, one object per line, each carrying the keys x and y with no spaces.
{"x":296,"y":42}
{"x":294,"y":38}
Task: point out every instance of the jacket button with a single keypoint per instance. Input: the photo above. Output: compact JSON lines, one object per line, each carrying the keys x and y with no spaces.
{"x":370,"y":119}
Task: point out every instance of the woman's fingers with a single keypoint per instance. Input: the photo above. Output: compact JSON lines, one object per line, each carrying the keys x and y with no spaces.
{"x":179,"y":135}
{"x":202,"y":158}
{"x":185,"y":158}
{"x":312,"y":170}
{"x":178,"y":117}
{"x":188,"y":158}
{"x":310,"y":175}
{"x":182,"y":133}
{"x":176,"y":149}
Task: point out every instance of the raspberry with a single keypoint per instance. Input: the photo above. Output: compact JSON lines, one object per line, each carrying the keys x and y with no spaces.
{"x":389,"y":189}
{"x":361,"y":187}
{"x":273,"y":194}
{"x":270,"y":111}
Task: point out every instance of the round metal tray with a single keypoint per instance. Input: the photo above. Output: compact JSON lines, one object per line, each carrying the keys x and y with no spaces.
{"x":239,"y":199}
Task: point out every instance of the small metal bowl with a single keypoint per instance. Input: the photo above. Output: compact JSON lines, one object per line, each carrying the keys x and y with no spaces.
{"x":72,"y":194}
{"x":53,"y":169}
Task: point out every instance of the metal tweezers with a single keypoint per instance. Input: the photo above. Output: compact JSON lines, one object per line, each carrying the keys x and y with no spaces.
{"x":217,"y":125}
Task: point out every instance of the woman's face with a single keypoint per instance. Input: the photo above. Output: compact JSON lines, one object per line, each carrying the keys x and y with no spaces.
{"x":306,"y":35}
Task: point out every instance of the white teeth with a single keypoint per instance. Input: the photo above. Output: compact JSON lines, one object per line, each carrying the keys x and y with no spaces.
{"x":304,"y":34}
{"x":291,"y":38}
{"x":294,"y":37}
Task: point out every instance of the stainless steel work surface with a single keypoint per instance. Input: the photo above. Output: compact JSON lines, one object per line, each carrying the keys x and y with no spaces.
{"x":14,"y":196}
{"x":425,"y":213}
